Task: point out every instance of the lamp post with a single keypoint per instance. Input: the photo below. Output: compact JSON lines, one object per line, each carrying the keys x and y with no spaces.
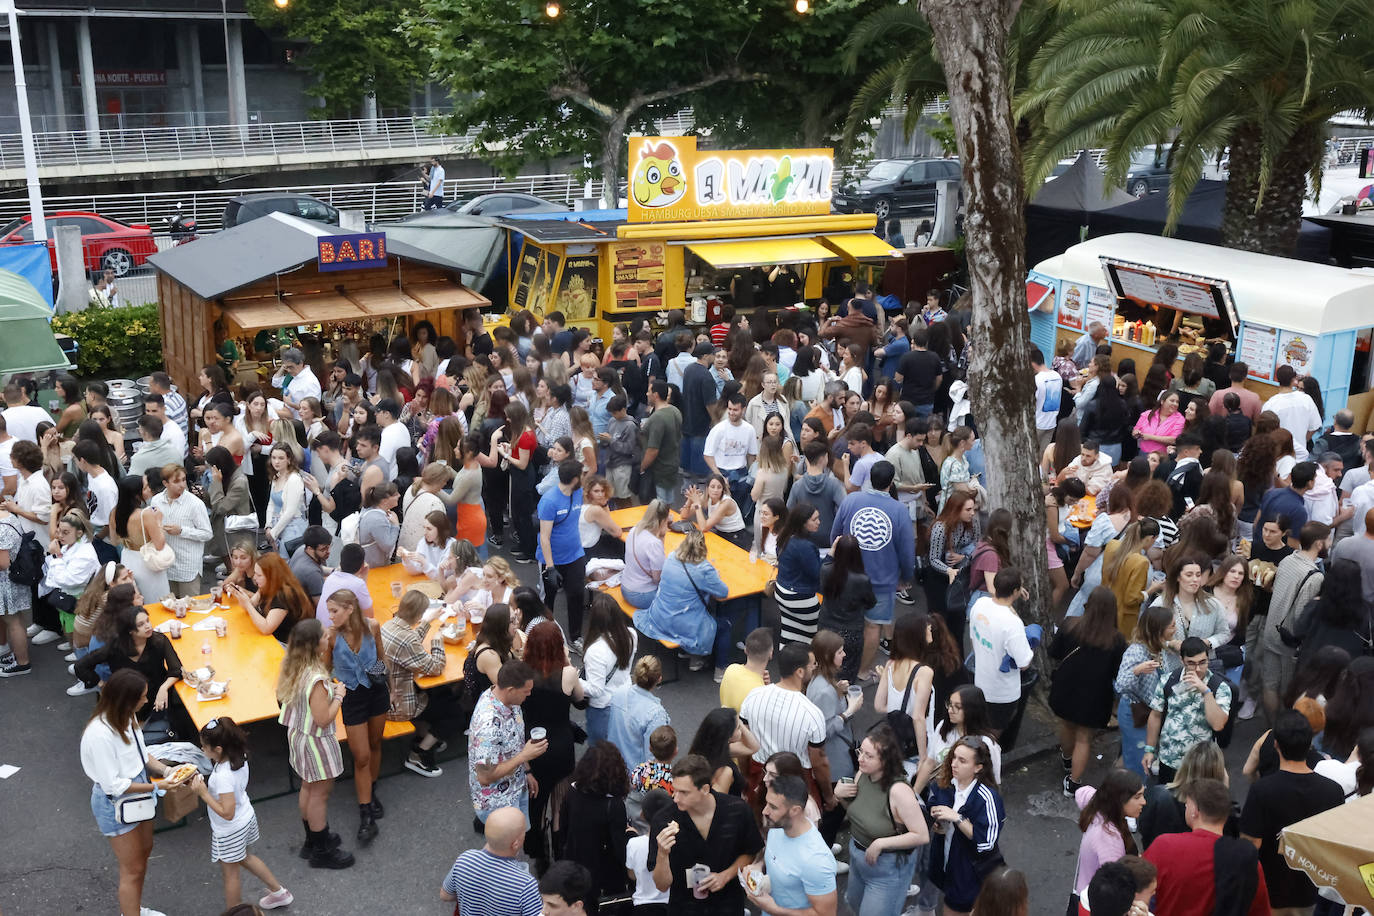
{"x":40,"y":226}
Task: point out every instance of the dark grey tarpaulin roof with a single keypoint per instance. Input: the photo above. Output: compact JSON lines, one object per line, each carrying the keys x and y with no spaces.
{"x":217,"y":264}
{"x":1081,"y":188}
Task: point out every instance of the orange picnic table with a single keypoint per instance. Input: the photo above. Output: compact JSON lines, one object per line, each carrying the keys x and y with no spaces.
{"x":742,"y":575}
{"x":250,"y":660}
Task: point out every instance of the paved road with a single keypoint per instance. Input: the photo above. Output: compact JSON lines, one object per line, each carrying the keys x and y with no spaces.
{"x":53,"y":860}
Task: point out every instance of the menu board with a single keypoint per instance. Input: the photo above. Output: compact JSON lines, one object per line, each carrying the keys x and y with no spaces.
{"x":577,"y":290}
{"x":1101,"y":306}
{"x":541,"y":290}
{"x":524,"y":277}
{"x":1297,"y":350}
{"x":1256,"y":348}
{"x":1072,"y":300}
{"x":1172,"y":292}
{"x":637,"y":275}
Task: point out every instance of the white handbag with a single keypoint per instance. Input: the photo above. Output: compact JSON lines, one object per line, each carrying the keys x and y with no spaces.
{"x":156,"y":560}
{"x":136,"y":807}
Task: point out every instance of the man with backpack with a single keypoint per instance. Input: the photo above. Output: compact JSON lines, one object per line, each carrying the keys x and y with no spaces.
{"x":1188,"y":706}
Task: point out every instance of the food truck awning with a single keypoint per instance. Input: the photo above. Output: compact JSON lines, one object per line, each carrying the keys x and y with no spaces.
{"x":220,"y":263}
{"x":26,"y":339}
{"x":753,"y":252}
{"x":1273,"y":291}
{"x":1036,"y":294}
{"x":861,"y":246}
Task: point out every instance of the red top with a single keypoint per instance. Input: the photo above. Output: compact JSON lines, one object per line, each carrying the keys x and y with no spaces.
{"x":524,"y":445}
{"x":718,"y":333}
{"x":1186,"y":885}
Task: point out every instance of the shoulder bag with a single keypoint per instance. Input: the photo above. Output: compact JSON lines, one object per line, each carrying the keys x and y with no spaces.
{"x":902,"y":723}
{"x":1290,"y":639}
{"x":156,"y":560}
{"x":136,"y":807}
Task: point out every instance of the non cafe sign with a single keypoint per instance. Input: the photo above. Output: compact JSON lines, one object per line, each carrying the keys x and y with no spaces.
{"x":670,"y":180}
{"x":346,"y":252}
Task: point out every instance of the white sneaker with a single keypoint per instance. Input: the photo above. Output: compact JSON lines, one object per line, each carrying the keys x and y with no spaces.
{"x":69,"y":657}
{"x":1247,"y":709}
{"x":71,"y":669}
{"x":44,"y":637}
{"x":149,"y":911}
{"x":841,"y":868}
{"x":33,"y":630}
{"x":80,"y":690}
{"x":836,"y":849}
{"x":64,"y":646}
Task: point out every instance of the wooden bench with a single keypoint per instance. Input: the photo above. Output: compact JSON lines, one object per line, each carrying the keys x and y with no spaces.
{"x":392,"y":730}
{"x":665,"y":652}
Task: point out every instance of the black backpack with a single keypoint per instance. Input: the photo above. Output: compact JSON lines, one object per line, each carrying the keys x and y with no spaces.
{"x":26,"y":562}
{"x":348,"y":498}
{"x":1222,"y":736}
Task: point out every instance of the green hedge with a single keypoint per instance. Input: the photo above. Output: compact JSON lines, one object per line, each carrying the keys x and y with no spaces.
{"x":111,"y":342}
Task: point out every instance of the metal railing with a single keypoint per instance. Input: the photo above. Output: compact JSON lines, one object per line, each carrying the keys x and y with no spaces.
{"x":177,"y":144}
{"x":379,"y":202}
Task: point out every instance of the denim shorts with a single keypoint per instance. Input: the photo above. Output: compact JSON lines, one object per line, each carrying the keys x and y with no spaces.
{"x":882,"y":612}
{"x":103,"y":807}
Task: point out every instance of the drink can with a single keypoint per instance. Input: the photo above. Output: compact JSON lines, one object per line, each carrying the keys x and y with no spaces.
{"x":538,"y":734}
{"x":221,"y":627}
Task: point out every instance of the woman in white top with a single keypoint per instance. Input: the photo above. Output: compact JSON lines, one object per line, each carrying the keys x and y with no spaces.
{"x":610,"y":652}
{"x":424,"y":496}
{"x":716,"y":511}
{"x":286,"y":500}
{"x":117,"y":763}
{"x":433,"y":555}
{"x":644,"y":555}
{"x":70,"y":563}
{"x":966,"y":714}
{"x":599,"y":532}
{"x":766,"y":403}
{"x":584,"y":439}
{"x":851,"y":368}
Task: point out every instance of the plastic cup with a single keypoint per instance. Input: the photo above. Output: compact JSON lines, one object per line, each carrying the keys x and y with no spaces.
{"x":855,"y":692}
{"x":538,"y":734}
{"x":174,"y":630}
{"x":695,"y":876}
{"x":396,"y":589}
{"x":221,"y":627}
{"x":216,"y":593}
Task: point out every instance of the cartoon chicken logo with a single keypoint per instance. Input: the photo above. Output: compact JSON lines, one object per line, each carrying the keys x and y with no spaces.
{"x":658,"y":180}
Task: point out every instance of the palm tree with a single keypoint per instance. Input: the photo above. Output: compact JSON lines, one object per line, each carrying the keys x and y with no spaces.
{"x":1258,"y":77}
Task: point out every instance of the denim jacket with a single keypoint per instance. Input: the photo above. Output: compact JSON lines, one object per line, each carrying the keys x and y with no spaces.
{"x":679,"y":612}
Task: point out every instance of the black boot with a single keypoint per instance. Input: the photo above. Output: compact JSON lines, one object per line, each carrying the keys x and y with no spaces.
{"x":328,"y":856}
{"x":378,"y":811}
{"x":308,"y":847}
{"x":367,"y":826}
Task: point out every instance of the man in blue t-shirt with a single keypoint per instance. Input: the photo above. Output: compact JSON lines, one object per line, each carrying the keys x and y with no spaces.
{"x":559,"y":553}
{"x":801,"y":868}
{"x":1287,"y":501}
{"x":887,"y":541}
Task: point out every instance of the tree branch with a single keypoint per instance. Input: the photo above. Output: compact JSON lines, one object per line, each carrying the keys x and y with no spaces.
{"x":578,"y":94}
{"x":576,"y":91}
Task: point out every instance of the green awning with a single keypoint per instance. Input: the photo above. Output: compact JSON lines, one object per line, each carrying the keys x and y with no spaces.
{"x":26,"y":339}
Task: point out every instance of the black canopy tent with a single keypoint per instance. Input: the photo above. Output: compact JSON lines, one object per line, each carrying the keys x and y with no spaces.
{"x":1057,"y":215}
{"x":1200,"y":221}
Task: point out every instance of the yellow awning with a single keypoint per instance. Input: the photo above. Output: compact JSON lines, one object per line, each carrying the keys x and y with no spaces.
{"x":754,"y":252}
{"x":861,"y":246}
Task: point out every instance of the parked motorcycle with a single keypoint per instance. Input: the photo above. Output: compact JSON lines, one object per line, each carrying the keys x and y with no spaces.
{"x":181,"y":228}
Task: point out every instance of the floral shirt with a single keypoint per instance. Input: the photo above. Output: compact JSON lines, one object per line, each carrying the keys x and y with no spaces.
{"x":1185,"y":724}
{"x":497,"y":734}
{"x":651,"y":775}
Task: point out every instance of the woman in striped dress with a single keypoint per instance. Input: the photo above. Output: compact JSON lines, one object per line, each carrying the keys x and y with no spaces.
{"x":309,"y":705}
{"x":799,"y":574}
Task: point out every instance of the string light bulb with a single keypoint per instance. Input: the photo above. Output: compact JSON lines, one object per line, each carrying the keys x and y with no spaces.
{"x":282,"y":4}
{"x":552,"y":9}
{"x":803,"y":6}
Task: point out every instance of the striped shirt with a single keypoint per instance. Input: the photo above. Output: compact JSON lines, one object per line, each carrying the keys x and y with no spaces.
{"x":189,"y":545}
{"x":176,"y":412}
{"x":783,"y":720}
{"x":490,"y":885}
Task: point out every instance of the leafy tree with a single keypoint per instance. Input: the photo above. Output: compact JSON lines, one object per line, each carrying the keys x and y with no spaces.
{"x":1260,"y":77}
{"x":352,"y":48}
{"x":536,"y":87}
{"x":804,"y":96}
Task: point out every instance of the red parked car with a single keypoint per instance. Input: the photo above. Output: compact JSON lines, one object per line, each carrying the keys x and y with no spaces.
{"x":108,"y":243}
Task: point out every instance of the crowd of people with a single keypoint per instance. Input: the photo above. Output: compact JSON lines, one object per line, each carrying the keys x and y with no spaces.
{"x":1211,"y":556}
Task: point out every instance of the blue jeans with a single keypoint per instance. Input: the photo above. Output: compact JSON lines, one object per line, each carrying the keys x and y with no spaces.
{"x":726,"y":612}
{"x":882,"y":612}
{"x":879,"y":890}
{"x":1112,"y":451}
{"x":924,"y":410}
{"x":738,"y":478}
{"x":524,"y":807}
{"x":1132,"y":739}
{"x":637,"y":599}
{"x":598,"y":724}
{"x":666,"y":494}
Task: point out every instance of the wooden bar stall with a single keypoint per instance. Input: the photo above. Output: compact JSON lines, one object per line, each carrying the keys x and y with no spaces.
{"x":280,"y":271}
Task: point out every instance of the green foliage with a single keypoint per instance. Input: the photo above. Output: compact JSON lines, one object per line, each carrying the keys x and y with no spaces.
{"x":351,"y":48}
{"x":113,"y":341}
{"x":1260,"y":77}
{"x":944,"y":134}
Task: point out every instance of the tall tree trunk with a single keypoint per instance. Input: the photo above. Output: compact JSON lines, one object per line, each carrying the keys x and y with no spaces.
{"x":1270,"y":226}
{"x":613,"y":144}
{"x":971,"y":38}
